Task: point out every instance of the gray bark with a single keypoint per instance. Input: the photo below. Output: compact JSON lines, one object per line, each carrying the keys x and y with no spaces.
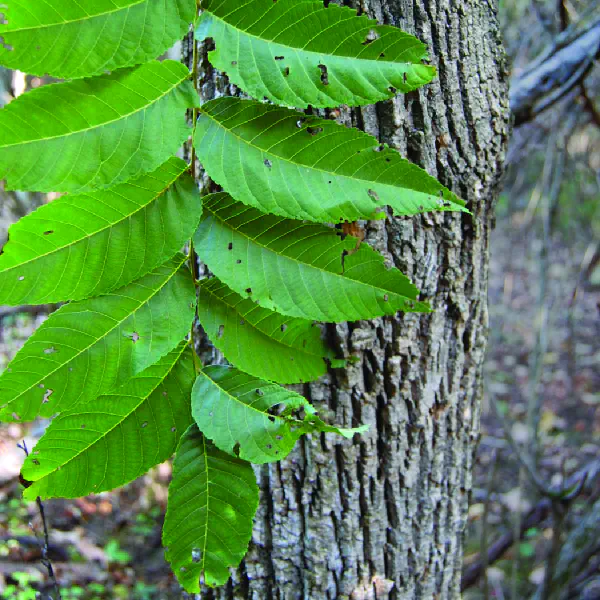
{"x":382,"y":517}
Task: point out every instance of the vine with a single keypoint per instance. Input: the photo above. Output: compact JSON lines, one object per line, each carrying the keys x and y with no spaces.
{"x":115,"y":366}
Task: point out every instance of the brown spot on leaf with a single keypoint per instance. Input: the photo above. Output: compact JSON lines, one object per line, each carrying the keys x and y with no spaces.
{"x":324,"y":75}
{"x":24,"y":482}
{"x":373,"y":194}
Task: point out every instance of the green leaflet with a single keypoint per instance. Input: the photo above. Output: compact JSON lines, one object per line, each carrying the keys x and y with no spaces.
{"x":68,"y":39}
{"x":87,"y":348}
{"x":212,"y":501}
{"x":117,"y":437}
{"x":298,"y":53}
{"x":90,"y":244}
{"x":299,"y":269}
{"x":113,"y":367}
{"x":95,"y":133}
{"x":236,"y":411}
{"x":259,"y":341}
{"x":288,"y":164}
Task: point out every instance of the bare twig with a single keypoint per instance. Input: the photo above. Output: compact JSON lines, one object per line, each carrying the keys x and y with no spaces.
{"x":559,"y":514}
{"x":517,"y":534}
{"x":534,"y":398}
{"x":46,"y":543}
{"x":573,"y":591}
{"x":556,"y":71}
{"x":523,"y":457}
{"x":585,"y":477}
{"x":496,"y":550}
{"x":589,"y":105}
{"x":563,"y":14}
{"x":485,"y":525}
{"x":56,"y":552}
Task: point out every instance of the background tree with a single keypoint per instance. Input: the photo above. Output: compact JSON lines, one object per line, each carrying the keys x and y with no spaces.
{"x":384,"y":517}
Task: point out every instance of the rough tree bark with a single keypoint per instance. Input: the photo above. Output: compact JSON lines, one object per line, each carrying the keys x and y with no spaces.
{"x":382,"y":517}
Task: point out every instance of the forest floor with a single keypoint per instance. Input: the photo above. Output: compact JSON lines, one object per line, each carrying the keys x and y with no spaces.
{"x":108,"y":546}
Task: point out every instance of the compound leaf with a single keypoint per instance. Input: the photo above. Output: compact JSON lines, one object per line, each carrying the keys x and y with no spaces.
{"x":212,"y":502}
{"x":95,"y":133}
{"x":299,"y":269}
{"x":299,"y":53}
{"x":87,"y":348}
{"x":90,"y":244}
{"x":116,"y":438}
{"x":260,"y":341}
{"x":283,"y":162}
{"x":261,"y":420}
{"x":69,"y":39}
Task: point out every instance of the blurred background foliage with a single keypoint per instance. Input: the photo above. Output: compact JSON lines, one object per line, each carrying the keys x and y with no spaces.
{"x":534,"y":517}
{"x":535,"y":511}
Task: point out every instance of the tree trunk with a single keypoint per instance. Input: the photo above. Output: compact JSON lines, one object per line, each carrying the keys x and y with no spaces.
{"x":382,"y":517}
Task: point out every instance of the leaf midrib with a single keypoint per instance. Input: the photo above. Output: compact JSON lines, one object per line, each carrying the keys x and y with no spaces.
{"x":118,"y":423}
{"x":100,"y":125}
{"x":222,"y":300}
{"x":205,"y":456}
{"x":95,"y":233}
{"x":89,"y":18}
{"x":320,"y":55}
{"x":248,"y":406}
{"x":95,"y":341}
{"x":338,"y":276}
{"x":269,"y":152}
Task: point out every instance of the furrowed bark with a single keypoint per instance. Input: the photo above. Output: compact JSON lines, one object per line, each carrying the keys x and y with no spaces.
{"x":382,"y":517}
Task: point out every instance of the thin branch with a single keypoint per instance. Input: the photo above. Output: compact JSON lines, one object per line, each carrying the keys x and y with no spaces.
{"x":524,"y":459}
{"x":517,"y":532}
{"x":563,"y":14}
{"x":592,"y":566}
{"x":559,"y":514}
{"x":485,"y":524}
{"x":583,"y":479}
{"x":533,"y":518}
{"x":557,"y":70}
{"x":589,"y":105}
{"x":46,"y":543}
